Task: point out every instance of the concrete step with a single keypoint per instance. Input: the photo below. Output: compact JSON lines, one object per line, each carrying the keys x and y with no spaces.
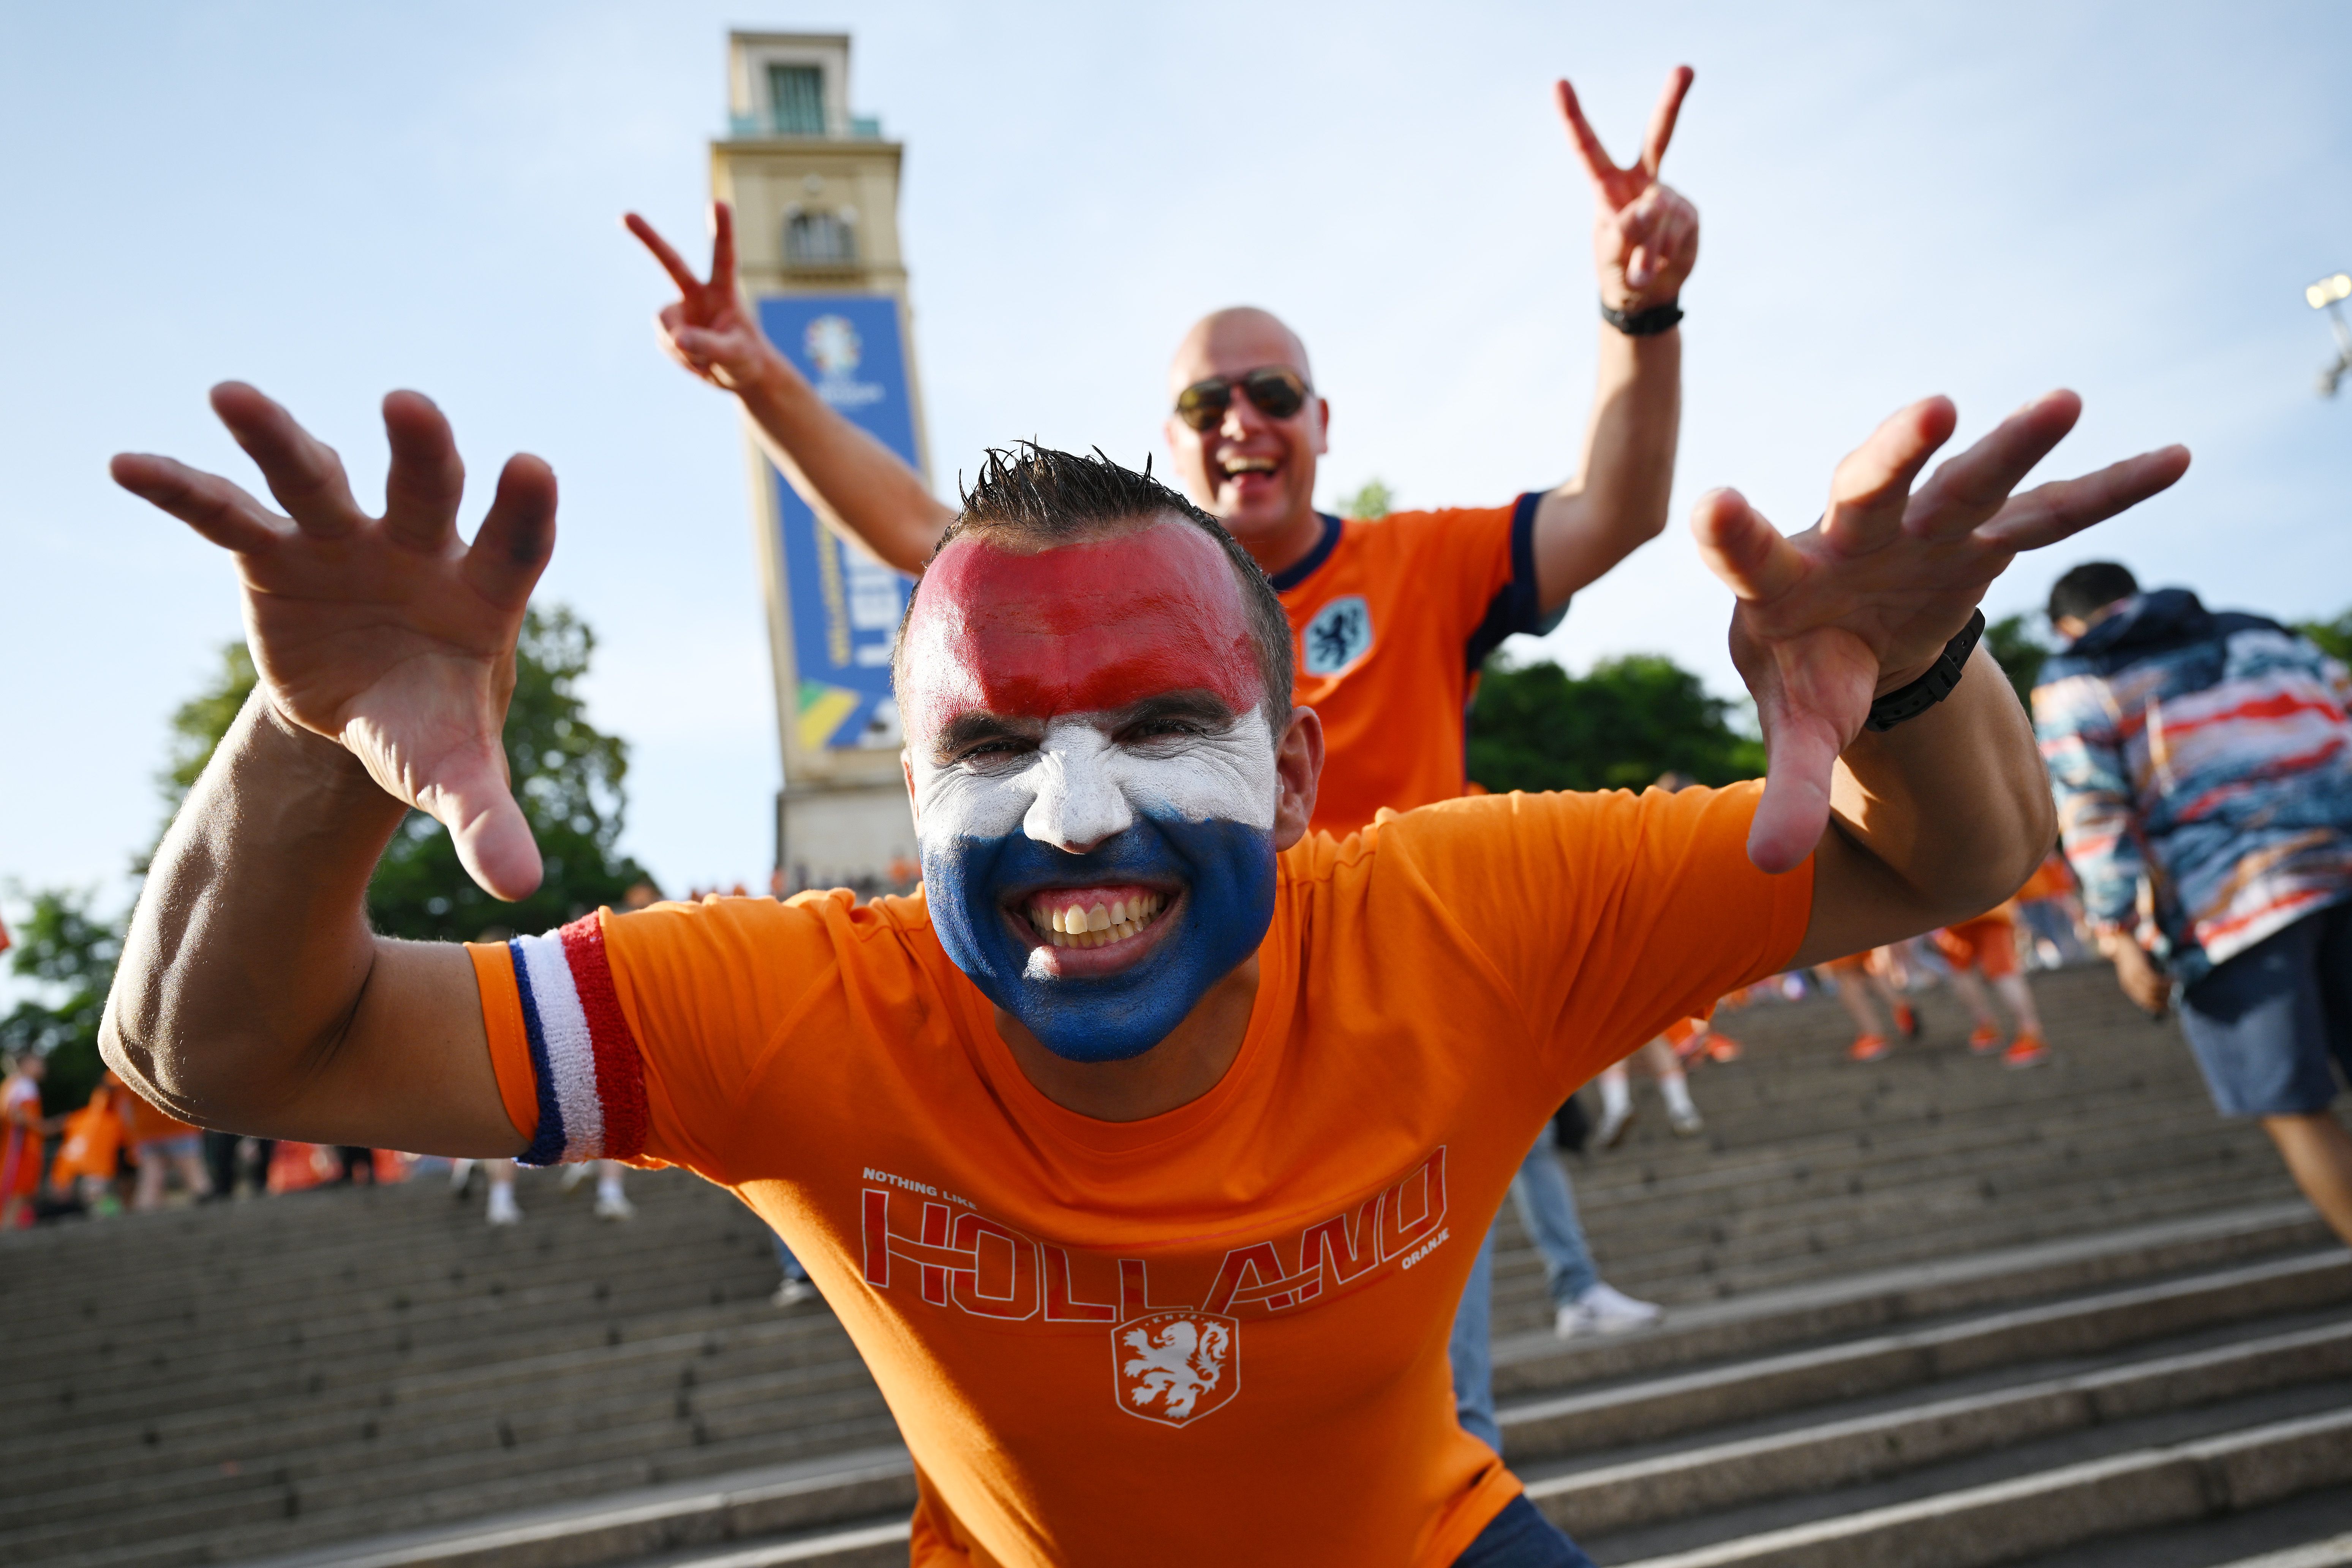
{"x":1587,"y":1422}
{"x":1982,"y":1331}
{"x":1602,"y":1500}
{"x":1977,"y":1528}
{"x":1911,"y":1294}
{"x":2001,"y":1523}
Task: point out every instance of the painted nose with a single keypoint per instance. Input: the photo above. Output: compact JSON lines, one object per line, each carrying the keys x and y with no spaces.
{"x":1078,"y":805}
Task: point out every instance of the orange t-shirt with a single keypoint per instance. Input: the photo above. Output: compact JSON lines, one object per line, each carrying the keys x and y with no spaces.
{"x":145,"y":1123}
{"x":93,"y":1138}
{"x":1390,"y":618}
{"x":2051,"y":880}
{"x":1243,"y":1303}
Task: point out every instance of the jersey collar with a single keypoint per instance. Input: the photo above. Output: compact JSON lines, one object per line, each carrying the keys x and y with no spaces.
{"x":1298,"y":571}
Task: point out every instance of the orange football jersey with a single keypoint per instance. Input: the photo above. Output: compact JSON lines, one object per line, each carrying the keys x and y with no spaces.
{"x":1244,"y":1302}
{"x":1390,"y":620}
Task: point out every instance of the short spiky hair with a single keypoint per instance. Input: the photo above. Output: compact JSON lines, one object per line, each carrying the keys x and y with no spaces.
{"x":2090,"y":588}
{"x":1034,"y":498}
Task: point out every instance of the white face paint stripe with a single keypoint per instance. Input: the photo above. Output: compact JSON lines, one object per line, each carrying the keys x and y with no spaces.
{"x":1079,"y":787}
{"x":571,"y":1050}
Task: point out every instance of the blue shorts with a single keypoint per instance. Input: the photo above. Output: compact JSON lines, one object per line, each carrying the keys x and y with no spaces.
{"x":174,"y":1146}
{"x":2272,"y":1027}
{"x":1521,"y":1536}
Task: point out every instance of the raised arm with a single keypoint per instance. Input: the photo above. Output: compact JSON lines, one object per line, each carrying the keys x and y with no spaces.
{"x":1942,"y":816}
{"x":851,"y":481}
{"x":1645,"y":240}
{"x":251,"y":994}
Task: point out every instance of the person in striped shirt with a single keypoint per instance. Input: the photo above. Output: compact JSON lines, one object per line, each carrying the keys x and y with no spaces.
{"x":2202,"y":764}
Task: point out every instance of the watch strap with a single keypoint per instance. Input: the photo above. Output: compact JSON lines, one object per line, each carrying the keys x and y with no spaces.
{"x":1646,"y":323}
{"x":1910,"y":701}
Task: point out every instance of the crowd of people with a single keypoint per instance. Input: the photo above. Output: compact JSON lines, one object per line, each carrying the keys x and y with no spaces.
{"x":1224,"y":1004}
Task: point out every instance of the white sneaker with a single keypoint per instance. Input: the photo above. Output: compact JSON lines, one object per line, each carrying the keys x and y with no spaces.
{"x":1686,"y":1120}
{"x":1614,"y":1126}
{"x":503,"y":1208}
{"x":793,"y":1292}
{"x":612,"y":1205}
{"x":1605,"y":1309}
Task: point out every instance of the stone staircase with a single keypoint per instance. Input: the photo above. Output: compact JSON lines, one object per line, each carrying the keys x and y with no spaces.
{"x":1925,"y":1311}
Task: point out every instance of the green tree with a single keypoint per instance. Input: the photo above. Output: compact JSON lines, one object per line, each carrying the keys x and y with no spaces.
{"x":1537,"y":727}
{"x":2333,"y":637}
{"x":1371,"y":499}
{"x":72,"y":953}
{"x":567,"y":774}
{"x":2020,"y":653}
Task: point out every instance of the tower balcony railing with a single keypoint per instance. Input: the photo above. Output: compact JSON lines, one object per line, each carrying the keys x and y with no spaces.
{"x":764,"y":128}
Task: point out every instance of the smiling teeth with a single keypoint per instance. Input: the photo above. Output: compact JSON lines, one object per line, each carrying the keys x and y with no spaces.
{"x":1080,"y":924}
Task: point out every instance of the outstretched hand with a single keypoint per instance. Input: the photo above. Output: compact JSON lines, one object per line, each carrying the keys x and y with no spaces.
{"x":708,"y":328}
{"x":387,"y":635}
{"x":1646,"y":234}
{"x":1862,"y":603}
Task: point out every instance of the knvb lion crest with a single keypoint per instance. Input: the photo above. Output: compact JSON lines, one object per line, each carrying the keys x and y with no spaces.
{"x":1339,"y":634}
{"x":1176,"y":1366}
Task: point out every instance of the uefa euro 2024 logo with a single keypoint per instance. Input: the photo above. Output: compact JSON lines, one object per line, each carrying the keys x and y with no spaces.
{"x":836,"y":350}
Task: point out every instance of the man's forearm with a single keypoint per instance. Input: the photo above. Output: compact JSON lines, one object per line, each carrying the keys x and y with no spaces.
{"x":851,"y":480}
{"x":1942,"y":816}
{"x":250,"y":948}
{"x":1625,"y":474}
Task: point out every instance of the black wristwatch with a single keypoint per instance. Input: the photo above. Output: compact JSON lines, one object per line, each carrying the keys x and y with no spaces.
{"x":1646,"y":323}
{"x":1910,"y":701}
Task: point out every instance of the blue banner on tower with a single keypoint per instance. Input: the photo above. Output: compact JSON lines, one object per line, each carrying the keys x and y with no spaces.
{"x":844,"y":606}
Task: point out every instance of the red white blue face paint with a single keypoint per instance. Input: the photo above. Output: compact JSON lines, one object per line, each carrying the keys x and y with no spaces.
{"x":1094,"y":778}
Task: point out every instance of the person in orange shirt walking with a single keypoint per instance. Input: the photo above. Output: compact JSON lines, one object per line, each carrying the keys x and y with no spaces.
{"x":160,"y":1142}
{"x":1983,"y":952}
{"x":1857,"y":978}
{"x":1153,"y":1109}
{"x":24,"y":1132}
{"x":91,"y":1150}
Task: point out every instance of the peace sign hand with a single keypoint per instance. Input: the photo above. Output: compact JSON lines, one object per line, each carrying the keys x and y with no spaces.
{"x":1864,"y":601}
{"x":386,"y":635}
{"x":709,"y":329}
{"x":1645,"y":234}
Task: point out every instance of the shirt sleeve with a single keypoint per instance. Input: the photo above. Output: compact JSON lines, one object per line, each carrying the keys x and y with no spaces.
{"x":1481,"y":563}
{"x":1610,"y":916}
{"x":2073,"y":723}
{"x":634,"y":1036}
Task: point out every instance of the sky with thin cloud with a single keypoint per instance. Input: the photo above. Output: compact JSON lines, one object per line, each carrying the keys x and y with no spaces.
{"x":1985,"y":201}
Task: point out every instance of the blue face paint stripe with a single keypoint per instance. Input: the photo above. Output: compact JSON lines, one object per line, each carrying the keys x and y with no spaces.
{"x":1227,"y":870}
{"x":546,"y":1145}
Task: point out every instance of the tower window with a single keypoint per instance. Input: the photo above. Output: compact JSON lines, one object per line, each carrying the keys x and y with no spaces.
{"x":797,"y":93}
{"x":819,"y":239}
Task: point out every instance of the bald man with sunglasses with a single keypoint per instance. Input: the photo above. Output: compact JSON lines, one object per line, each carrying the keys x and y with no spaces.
{"x":1393,"y":618}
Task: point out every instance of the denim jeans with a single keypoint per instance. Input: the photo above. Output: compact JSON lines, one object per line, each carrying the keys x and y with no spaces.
{"x":1547,"y":1208}
{"x":788,"y":1263}
{"x":1521,"y":1536}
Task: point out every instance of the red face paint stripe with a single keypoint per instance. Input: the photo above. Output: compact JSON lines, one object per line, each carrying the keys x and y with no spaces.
{"x":1083,"y":628}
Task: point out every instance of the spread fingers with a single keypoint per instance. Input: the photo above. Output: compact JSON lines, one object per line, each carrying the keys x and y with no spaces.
{"x":211,"y":505}
{"x":303,"y":472}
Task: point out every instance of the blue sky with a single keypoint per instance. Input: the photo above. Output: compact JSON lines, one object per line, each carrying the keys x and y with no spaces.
{"x":1984,"y":200}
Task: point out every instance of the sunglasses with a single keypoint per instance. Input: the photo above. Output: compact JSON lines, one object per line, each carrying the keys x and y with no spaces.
{"x":1275,"y":392}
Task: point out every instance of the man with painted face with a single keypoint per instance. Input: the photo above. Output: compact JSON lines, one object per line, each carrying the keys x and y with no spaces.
{"x":1132,"y":1157}
{"x":1390,"y":618}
